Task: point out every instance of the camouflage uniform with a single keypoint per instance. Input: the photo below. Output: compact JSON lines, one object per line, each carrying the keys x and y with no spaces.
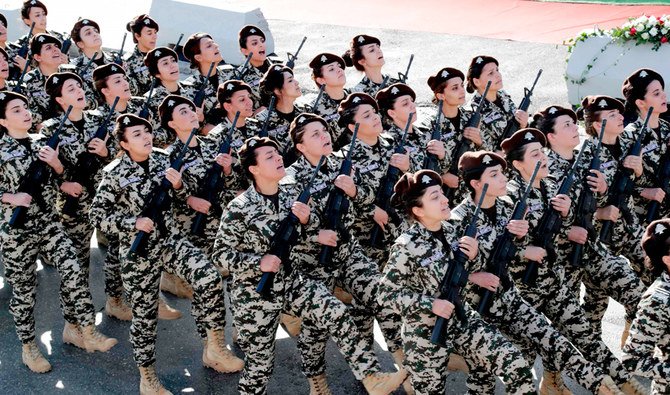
{"x":252,"y":76}
{"x":550,"y":295}
{"x":137,"y":73}
{"x":38,"y":99}
{"x":250,"y":129}
{"x":223,"y":74}
{"x":327,"y":109}
{"x":357,"y":273}
{"x":494,"y":118}
{"x":411,"y":279}
{"x":114,"y":210}
{"x":24,"y":39}
{"x":86,"y":73}
{"x":510,"y":313}
{"x":279,"y":125}
{"x":162,"y":136}
{"x":366,"y":85}
{"x":601,"y":270}
{"x":41,"y":234}
{"x":647,"y":350}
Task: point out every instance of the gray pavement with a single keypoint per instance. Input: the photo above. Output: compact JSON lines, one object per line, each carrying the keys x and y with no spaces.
{"x":179,"y":350}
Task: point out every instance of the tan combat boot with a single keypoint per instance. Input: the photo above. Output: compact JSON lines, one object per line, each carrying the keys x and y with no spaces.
{"x":291,"y":324}
{"x":384,"y":383}
{"x":399,"y":359}
{"x":318,"y":385}
{"x":344,"y":296}
{"x":217,"y":356}
{"x":608,"y":387}
{"x":634,"y":387}
{"x":166,"y":312}
{"x":625,"y":333}
{"x":457,"y":364}
{"x":96,"y":341}
{"x":176,"y":286}
{"x":32,"y":357}
{"x":552,"y":384}
{"x":118,"y":308}
{"x":72,"y":335}
{"x":149,"y":383}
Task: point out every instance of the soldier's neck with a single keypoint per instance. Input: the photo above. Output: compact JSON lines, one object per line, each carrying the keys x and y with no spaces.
{"x":266,"y":187}
{"x":564,"y":152}
{"x":76,"y":114}
{"x":335,"y":92}
{"x":241,"y":120}
{"x":374,"y":74}
{"x":120,"y":106}
{"x":204,"y":69}
{"x":609,"y":138}
{"x":90,"y":52}
{"x":369,"y":140}
{"x":489,"y":200}
{"x":433,"y":225}
{"x":18,"y":134}
{"x":182,"y":135}
{"x":171,"y":86}
{"x":449,"y":111}
{"x":143,"y":49}
{"x":47,"y":70}
{"x":285,"y":105}
{"x":491,"y":96}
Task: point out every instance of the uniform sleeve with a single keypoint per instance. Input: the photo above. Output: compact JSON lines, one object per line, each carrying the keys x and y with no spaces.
{"x":228,"y":246}
{"x":105,"y":214}
{"x":393,"y":290}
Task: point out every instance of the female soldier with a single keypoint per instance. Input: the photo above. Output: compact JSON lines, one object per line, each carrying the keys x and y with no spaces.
{"x":328,"y":70}
{"x":650,"y":331}
{"x":117,"y":209}
{"x":419,"y":260}
{"x":15,"y":62}
{"x":509,"y":312}
{"x":42,"y":233}
{"x":547,"y":293}
{"x":644,"y":89}
{"x":46,"y":53}
{"x":252,"y":41}
{"x":145,"y":34}
{"x":365,"y":54}
{"x":499,"y":108}
{"x":34,"y":11}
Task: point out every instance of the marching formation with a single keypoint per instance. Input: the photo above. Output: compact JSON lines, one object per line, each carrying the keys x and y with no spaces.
{"x":466,"y":235}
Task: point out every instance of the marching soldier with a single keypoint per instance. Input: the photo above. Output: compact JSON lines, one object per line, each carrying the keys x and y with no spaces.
{"x":365,"y":54}
{"x":16,"y":63}
{"x":252,"y":41}
{"x":328,"y":70}
{"x":144,"y":30}
{"x":42,"y":233}
{"x":34,"y":11}
{"x":235,"y":96}
{"x":46,"y":50}
{"x":86,"y":36}
{"x":4,"y":71}
{"x":117,"y":209}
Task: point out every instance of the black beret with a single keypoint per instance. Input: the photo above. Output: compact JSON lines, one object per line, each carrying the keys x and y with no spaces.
{"x":250,"y":30}
{"x":152,"y":57}
{"x":129,"y":120}
{"x":42,"y":39}
{"x":80,"y":25}
{"x":523,"y":137}
{"x":387,"y":96}
{"x":191,"y":44}
{"x":3,"y":20}
{"x":229,"y":87}
{"x":635,"y":86}
{"x":592,"y":104}
{"x":167,"y":106}
{"x":140,"y":21}
{"x":546,"y":117}
{"x":54,"y":83}
{"x":474,"y":161}
{"x":6,"y":97}
{"x":412,"y":185}
{"x":325,"y":58}
{"x":442,"y":76}
{"x":104,"y":71}
{"x":352,"y":101}
{"x":252,"y":144}
{"x":475,"y":69}
{"x":302,"y":120}
{"x":363,"y":39}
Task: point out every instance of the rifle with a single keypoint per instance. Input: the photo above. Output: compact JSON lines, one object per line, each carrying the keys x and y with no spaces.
{"x":144,"y":112}
{"x":663,"y":183}
{"x":504,"y":250}
{"x":200,"y":94}
{"x":336,"y":206}
{"x":18,"y":88}
{"x":623,"y":184}
{"x":587,"y":205}
{"x":181,"y":36}
{"x":430,"y":162}
{"x":88,"y":64}
{"x":318,"y":97}
{"x":455,"y":279}
{"x":291,"y":57}
{"x":550,"y":223}
{"x":36,"y":175}
{"x":266,"y":123}
{"x":513,"y":124}
{"x":65,"y":47}
{"x":157,"y":202}
{"x":403,"y":76}
{"x":285,"y":238}
{"x":118,"y":59}
{"x":384,"y":82}
{"x":241,"y":71}
{"x":87,"y":165}
{"x":386,"y":190}
{"x":23,"y":51}
{"x":211,"y":183}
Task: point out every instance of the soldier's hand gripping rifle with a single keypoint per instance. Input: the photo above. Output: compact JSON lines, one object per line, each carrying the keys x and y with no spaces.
{"x":513,"y":125}
{"x":431,"y":161}
{"x":318,"y":98}
{"x":623,"y":184}
{"x":144,"y":112}
{"x":290,"y":63}
{"x":455,"y":279}
{"x":212,"y":182}
{"x":266,"y":123}
{"x":403,"y":76}
{"x":18,"y":88}
{"x":550,"y":223}
{"x":336,"y":206}
{"x":118,"y":59}
{"x":34,"y":178}
{"x":383,"y":199}
{"x":241,"y":71}
{"x":88,"y":165}
{"x":199,"y":97}
{"x":504,"y":250}
{"x":157,"y":202}
{"x":587,"y":205}
{"x":285,"y":238}
{"x":23,"y":52}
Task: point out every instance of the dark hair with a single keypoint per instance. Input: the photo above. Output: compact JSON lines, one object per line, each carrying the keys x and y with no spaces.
{"x":632,"y":94}
{"x":352,"y":56}
{"x":247,"y":160}
{"x":517,"y":153}
{"x":438,"y":89}
{"x":589,"y":119}
{"x":655,"y":248}
{"x":27,"y":5}
{"x":543,"y":124}
{"x":136,"y":25}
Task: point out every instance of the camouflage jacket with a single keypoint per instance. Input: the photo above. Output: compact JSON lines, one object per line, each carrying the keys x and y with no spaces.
{"x":327,"y":109}
{"x":415,"y":144}
{"x":278,"y":125}
{"x":134,"y":106}
{"x":647,"y":351}
{"x":38,"y":99}
{"x":252,"y":76}
{"x":138,"y":74}
{"x":123,"y":193}
{"x":494,"y":118}
{"x":451,"y":137}
{"x":238,"y":136}
{"x":162,"y":136}
{"x":15,"y":160}
{"x":196,"y":80}
{"x":366,"y":85}
{"x":24,"y":39}
{"x":84,"y":67}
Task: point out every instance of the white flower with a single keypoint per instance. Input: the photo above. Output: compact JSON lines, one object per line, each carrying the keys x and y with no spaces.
{"x":627,"y":34}
{"x":639,"y":28}
{"x":653,"y":32}
{"x":645,"y":36}
{"x":664,"y":31}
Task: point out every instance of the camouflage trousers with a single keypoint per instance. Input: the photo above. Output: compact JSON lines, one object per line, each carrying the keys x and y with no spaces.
{"x":551,"y":297}
{"x":141,"y":279}
{"x":113,"y":282}
{"x":326,"y":316}
{"x":20,"y":248}
{"x":531,"y":332}
{"x":480,"y":345}
{"x":80,"y":231}
{"x":604,"y":275}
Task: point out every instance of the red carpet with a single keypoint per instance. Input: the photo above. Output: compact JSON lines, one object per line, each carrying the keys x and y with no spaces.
{"x":529,"y":21}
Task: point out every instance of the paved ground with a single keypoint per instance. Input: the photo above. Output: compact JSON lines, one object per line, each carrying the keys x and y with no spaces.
{"x":179,"y":350}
